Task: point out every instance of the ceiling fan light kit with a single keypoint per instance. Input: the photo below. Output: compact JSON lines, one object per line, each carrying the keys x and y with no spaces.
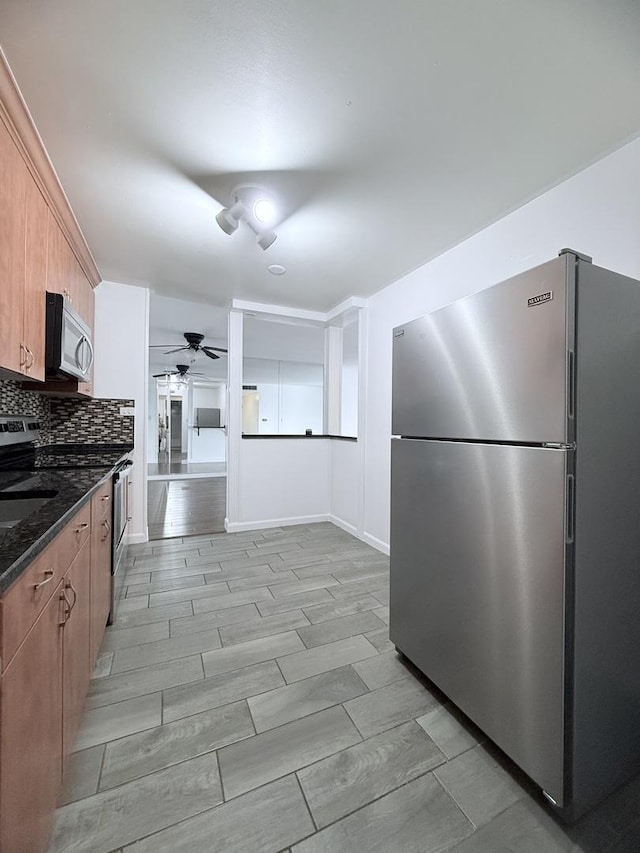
{"x":253,"y":206}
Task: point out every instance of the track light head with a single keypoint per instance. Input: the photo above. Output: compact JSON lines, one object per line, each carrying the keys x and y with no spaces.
{"x":266,"y":239}
{"x":229,"y":217}
{"x":251,"y":205}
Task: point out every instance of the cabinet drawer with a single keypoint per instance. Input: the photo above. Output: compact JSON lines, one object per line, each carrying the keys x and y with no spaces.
{"x":28,"y":595}
{"x":101,"y":502}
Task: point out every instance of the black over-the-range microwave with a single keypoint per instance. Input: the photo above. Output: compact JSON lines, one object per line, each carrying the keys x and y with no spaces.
{"x":69,"y":349}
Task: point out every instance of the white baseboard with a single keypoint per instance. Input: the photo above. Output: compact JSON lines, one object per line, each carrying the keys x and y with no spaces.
{"x":137,"y":538}
{"x":262,"y":524}
{"x":344,"y":525}
{"x":378,"y":544}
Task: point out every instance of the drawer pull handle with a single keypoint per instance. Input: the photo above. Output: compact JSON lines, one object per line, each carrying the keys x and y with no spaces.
{"x":107,"y":529}
{"x":69,"y":585}
{"x":106,"y":497}
{"x":48,"y":576}
{"x":30,"y":358}
{"x":66,"y":609}
{"x":82,"y":526}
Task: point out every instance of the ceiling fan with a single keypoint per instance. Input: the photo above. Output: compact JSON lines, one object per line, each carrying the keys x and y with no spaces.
{"x":182,"y":371}
{"x":194,"y":343}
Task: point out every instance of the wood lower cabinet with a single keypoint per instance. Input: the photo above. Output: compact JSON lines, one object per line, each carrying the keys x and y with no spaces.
{"x":101,"y":548}
{"x":76,"y":664}
{"x":48,"y":624}
{"x":30,"y":735}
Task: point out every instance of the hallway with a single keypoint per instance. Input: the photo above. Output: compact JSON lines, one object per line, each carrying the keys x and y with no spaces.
{"x":186,"y":506}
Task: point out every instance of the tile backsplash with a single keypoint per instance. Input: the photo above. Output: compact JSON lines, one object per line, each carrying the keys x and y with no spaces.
{"x":68,"y":420}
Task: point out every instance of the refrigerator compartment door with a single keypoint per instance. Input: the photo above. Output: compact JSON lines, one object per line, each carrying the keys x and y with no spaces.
{"x":493,"y":366}
{"x":478,"y":588}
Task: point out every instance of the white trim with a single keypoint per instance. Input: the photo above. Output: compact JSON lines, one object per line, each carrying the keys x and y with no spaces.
{"x":278,"y":310}
{"x":234,"y":413}
{"x":346,"y":305}
{"x":137,"y":538}
{"x":261,"y":524}
{"x":343,"y":525}
{"x":378,"y":544}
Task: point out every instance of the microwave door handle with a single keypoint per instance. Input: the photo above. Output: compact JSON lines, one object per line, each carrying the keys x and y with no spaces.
{"x":78,"y":353}
{"x":90,"y":360}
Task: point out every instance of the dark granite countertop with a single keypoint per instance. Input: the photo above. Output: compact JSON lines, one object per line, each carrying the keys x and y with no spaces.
{"x":74,"y":486}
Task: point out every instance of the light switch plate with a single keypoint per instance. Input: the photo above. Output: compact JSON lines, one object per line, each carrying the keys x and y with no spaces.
{"x":127,"y":411}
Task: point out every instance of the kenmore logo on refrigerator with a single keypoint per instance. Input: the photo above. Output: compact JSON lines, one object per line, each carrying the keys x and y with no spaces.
{"x":540,"y":299}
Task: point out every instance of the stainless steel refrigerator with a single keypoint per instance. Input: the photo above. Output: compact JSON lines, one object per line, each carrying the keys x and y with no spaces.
{"x":515,"y":519}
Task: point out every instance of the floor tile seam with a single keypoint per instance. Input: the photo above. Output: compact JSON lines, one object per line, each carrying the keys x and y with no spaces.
{"x":297,"y":720}
{"x":149,"y":558}
{"x":306,"y":802}
{"x":266,"y":636}
{"x":170,"y":589}
{"x":257,"y":622}
{"x":172,"y":763}
{"x":204,"y":811}
{"x":168,"y":660}
{"x":311,"y":713}
{"x":328,"y":642}
{"x":135,"y":645}
{"x":164,"y":603}
{"x":164,"y":828}
{"x":224,"y":705}
{"x":106,"y":743}
{"x":381,"y":797}
{"x":457,"y":803}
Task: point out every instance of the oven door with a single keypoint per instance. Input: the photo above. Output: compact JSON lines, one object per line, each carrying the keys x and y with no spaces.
{"x":120,"y":520}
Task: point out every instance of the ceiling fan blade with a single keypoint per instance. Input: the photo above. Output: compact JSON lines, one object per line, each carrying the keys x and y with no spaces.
{"x":218,"y":349}
{"x":209,"y":354}
{"x":160,"y":346}
{"x":160,"y":375}
{"x":177,"y":349}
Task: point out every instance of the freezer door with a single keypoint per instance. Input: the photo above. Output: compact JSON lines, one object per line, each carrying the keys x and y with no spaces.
{"x":477,"y":588}
{"x":493,"y":366}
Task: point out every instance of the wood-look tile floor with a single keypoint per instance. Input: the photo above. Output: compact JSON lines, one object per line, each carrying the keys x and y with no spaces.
{"x":186,"y":507}
{"x":248,"y":700}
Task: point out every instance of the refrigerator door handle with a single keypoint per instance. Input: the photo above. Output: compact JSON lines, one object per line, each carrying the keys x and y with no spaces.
{"x":571,"y":508}
{"x":571,"y":383}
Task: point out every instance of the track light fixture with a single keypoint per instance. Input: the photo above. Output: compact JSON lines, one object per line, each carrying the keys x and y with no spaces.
{"x":253,"y":206}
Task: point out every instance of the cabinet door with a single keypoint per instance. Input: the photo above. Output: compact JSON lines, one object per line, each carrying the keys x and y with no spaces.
{"x":37,"y":214}
{"x":56,"y":258}
{"x":101,"y":538}
{"x":76,"y":670}
{"x":31,"y":738}
{"x":13,"y":181}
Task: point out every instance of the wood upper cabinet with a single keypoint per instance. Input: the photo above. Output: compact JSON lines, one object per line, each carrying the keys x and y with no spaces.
{"x":13,"y":184}
{"x":33,"y":320}
{"x":65,"y":275}
{"x":30,"y":735}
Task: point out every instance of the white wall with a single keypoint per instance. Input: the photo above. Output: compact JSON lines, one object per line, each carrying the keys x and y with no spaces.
{"x":345,"y":485}
{"x":596,"y":212}
{"x":120,"y":371}
{"x":283,"y":481}
{"x":210,"y":444}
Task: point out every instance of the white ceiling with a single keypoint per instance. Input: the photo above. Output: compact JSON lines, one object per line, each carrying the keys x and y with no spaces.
{"x":389,"y":131}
